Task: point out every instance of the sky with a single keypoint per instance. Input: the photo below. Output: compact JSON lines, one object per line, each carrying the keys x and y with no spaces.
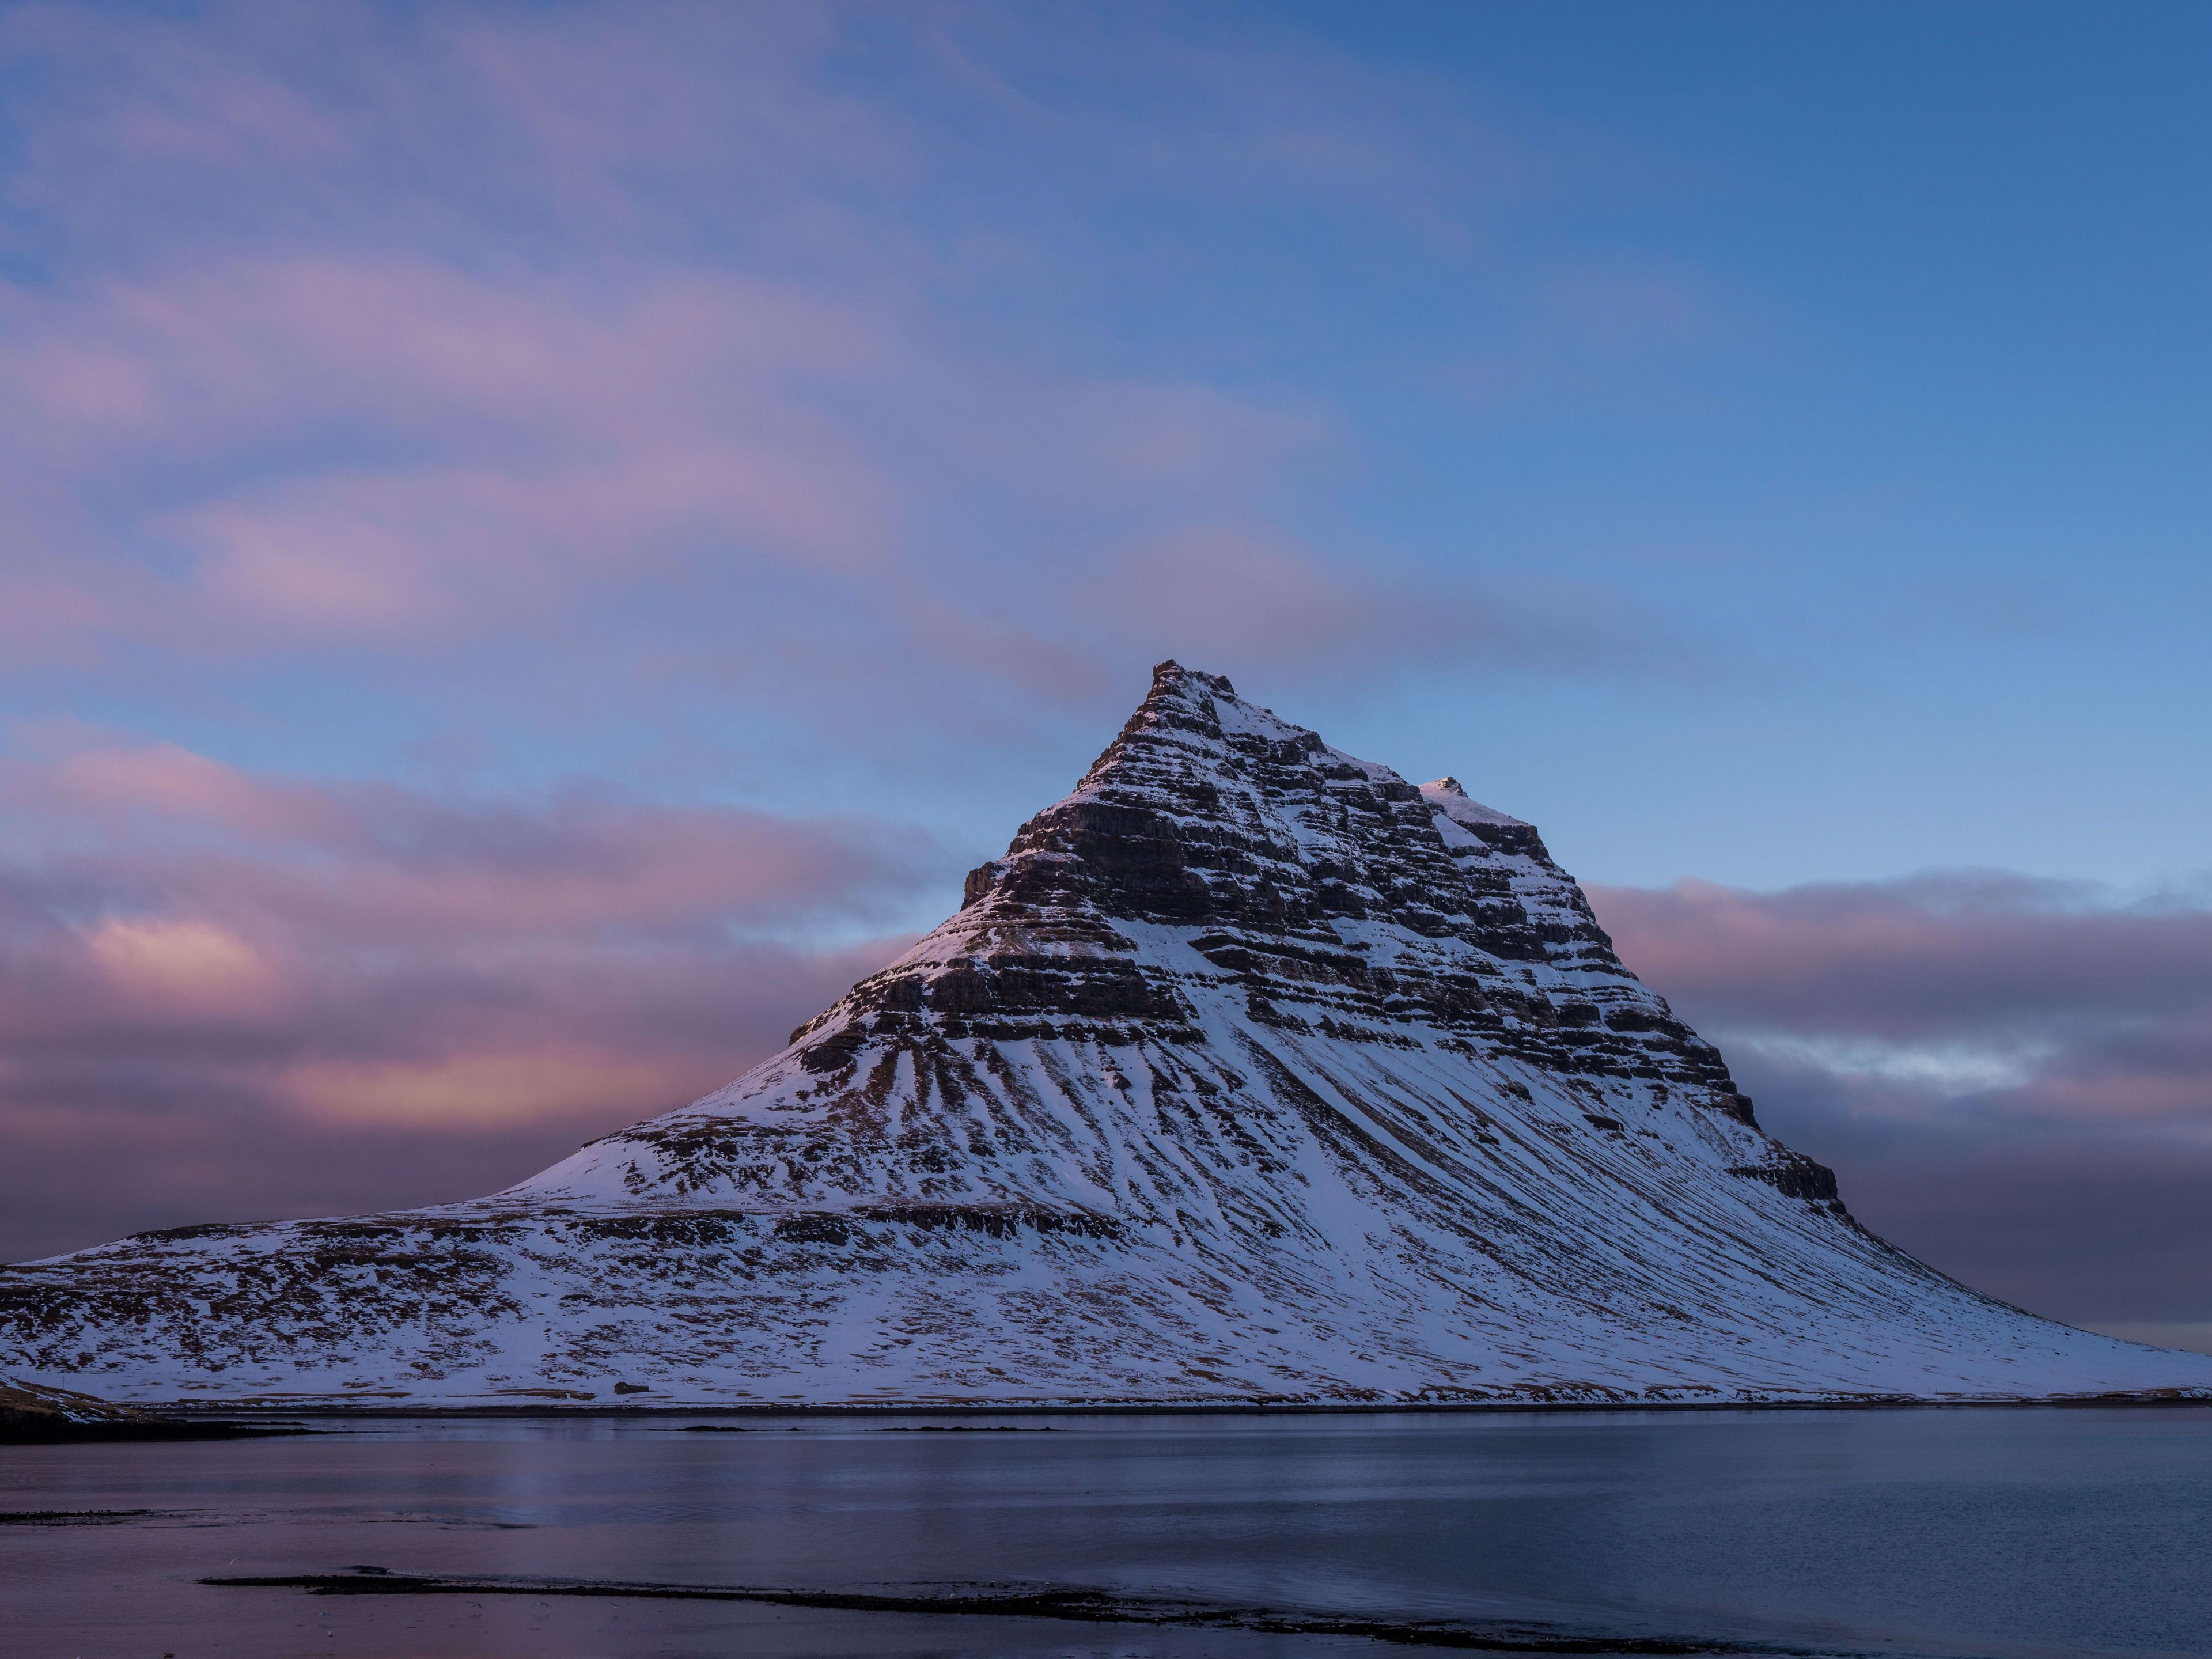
{"x":542,"y":541}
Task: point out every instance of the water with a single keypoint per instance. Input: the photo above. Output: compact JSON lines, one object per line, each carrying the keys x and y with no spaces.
{"x":2001,"y":1532}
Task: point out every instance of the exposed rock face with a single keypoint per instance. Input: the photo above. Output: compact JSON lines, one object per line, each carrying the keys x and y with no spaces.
{"x":1250,"y":1071}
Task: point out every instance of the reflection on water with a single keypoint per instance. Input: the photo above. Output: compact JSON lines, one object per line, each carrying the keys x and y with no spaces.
{"x":1973,"y":1531}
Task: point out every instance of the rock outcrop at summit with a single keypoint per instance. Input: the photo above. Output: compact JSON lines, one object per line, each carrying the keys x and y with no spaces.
{"x":1251,"y":1072}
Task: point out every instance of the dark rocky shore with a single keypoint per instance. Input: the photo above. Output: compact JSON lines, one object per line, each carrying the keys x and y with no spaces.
{"x":31,"y":1415}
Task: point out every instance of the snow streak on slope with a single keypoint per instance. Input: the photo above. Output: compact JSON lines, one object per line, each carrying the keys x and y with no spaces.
{"x":1250,"y":1072}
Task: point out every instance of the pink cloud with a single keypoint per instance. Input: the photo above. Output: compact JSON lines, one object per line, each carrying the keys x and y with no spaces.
{"x":380,"y":857}
{"x":2012,"y":1079}
{"x":191,"y":956}
{"x":186,"y":968}
{"x":549,"y":448}
{"x":1923,"y":957}
{"x":388,"y":1073}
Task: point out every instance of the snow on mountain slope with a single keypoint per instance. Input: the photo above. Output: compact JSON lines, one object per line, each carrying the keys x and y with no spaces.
{"x":1251,"y":1072}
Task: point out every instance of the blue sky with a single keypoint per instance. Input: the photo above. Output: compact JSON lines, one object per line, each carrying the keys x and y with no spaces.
{"x":755,"y":453}
{"x":1795,"y":402}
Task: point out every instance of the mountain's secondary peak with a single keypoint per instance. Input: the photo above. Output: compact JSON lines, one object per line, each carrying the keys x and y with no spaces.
{"x":1446,"y":795}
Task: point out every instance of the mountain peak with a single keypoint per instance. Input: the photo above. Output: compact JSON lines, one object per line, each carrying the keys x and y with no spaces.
{"x":1247,"y":1072}
{"x":1173,"y":673}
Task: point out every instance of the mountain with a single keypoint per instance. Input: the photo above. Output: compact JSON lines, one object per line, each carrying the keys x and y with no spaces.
{"x":1250,"y":1072}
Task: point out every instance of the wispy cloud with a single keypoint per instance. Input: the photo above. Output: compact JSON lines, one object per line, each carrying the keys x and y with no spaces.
{"x":717,"y":336}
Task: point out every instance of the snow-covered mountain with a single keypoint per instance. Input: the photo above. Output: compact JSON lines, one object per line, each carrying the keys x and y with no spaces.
{"x":1251,"y":1071}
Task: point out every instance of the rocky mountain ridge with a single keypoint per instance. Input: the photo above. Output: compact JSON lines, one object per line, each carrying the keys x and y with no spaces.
{"x":1250,"y":1072}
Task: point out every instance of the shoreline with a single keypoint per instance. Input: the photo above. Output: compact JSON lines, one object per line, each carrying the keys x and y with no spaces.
{"x":188,"y":1412}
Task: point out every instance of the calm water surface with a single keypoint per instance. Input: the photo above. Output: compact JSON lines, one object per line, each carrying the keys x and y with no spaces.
{"x":1941,"y":1532}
